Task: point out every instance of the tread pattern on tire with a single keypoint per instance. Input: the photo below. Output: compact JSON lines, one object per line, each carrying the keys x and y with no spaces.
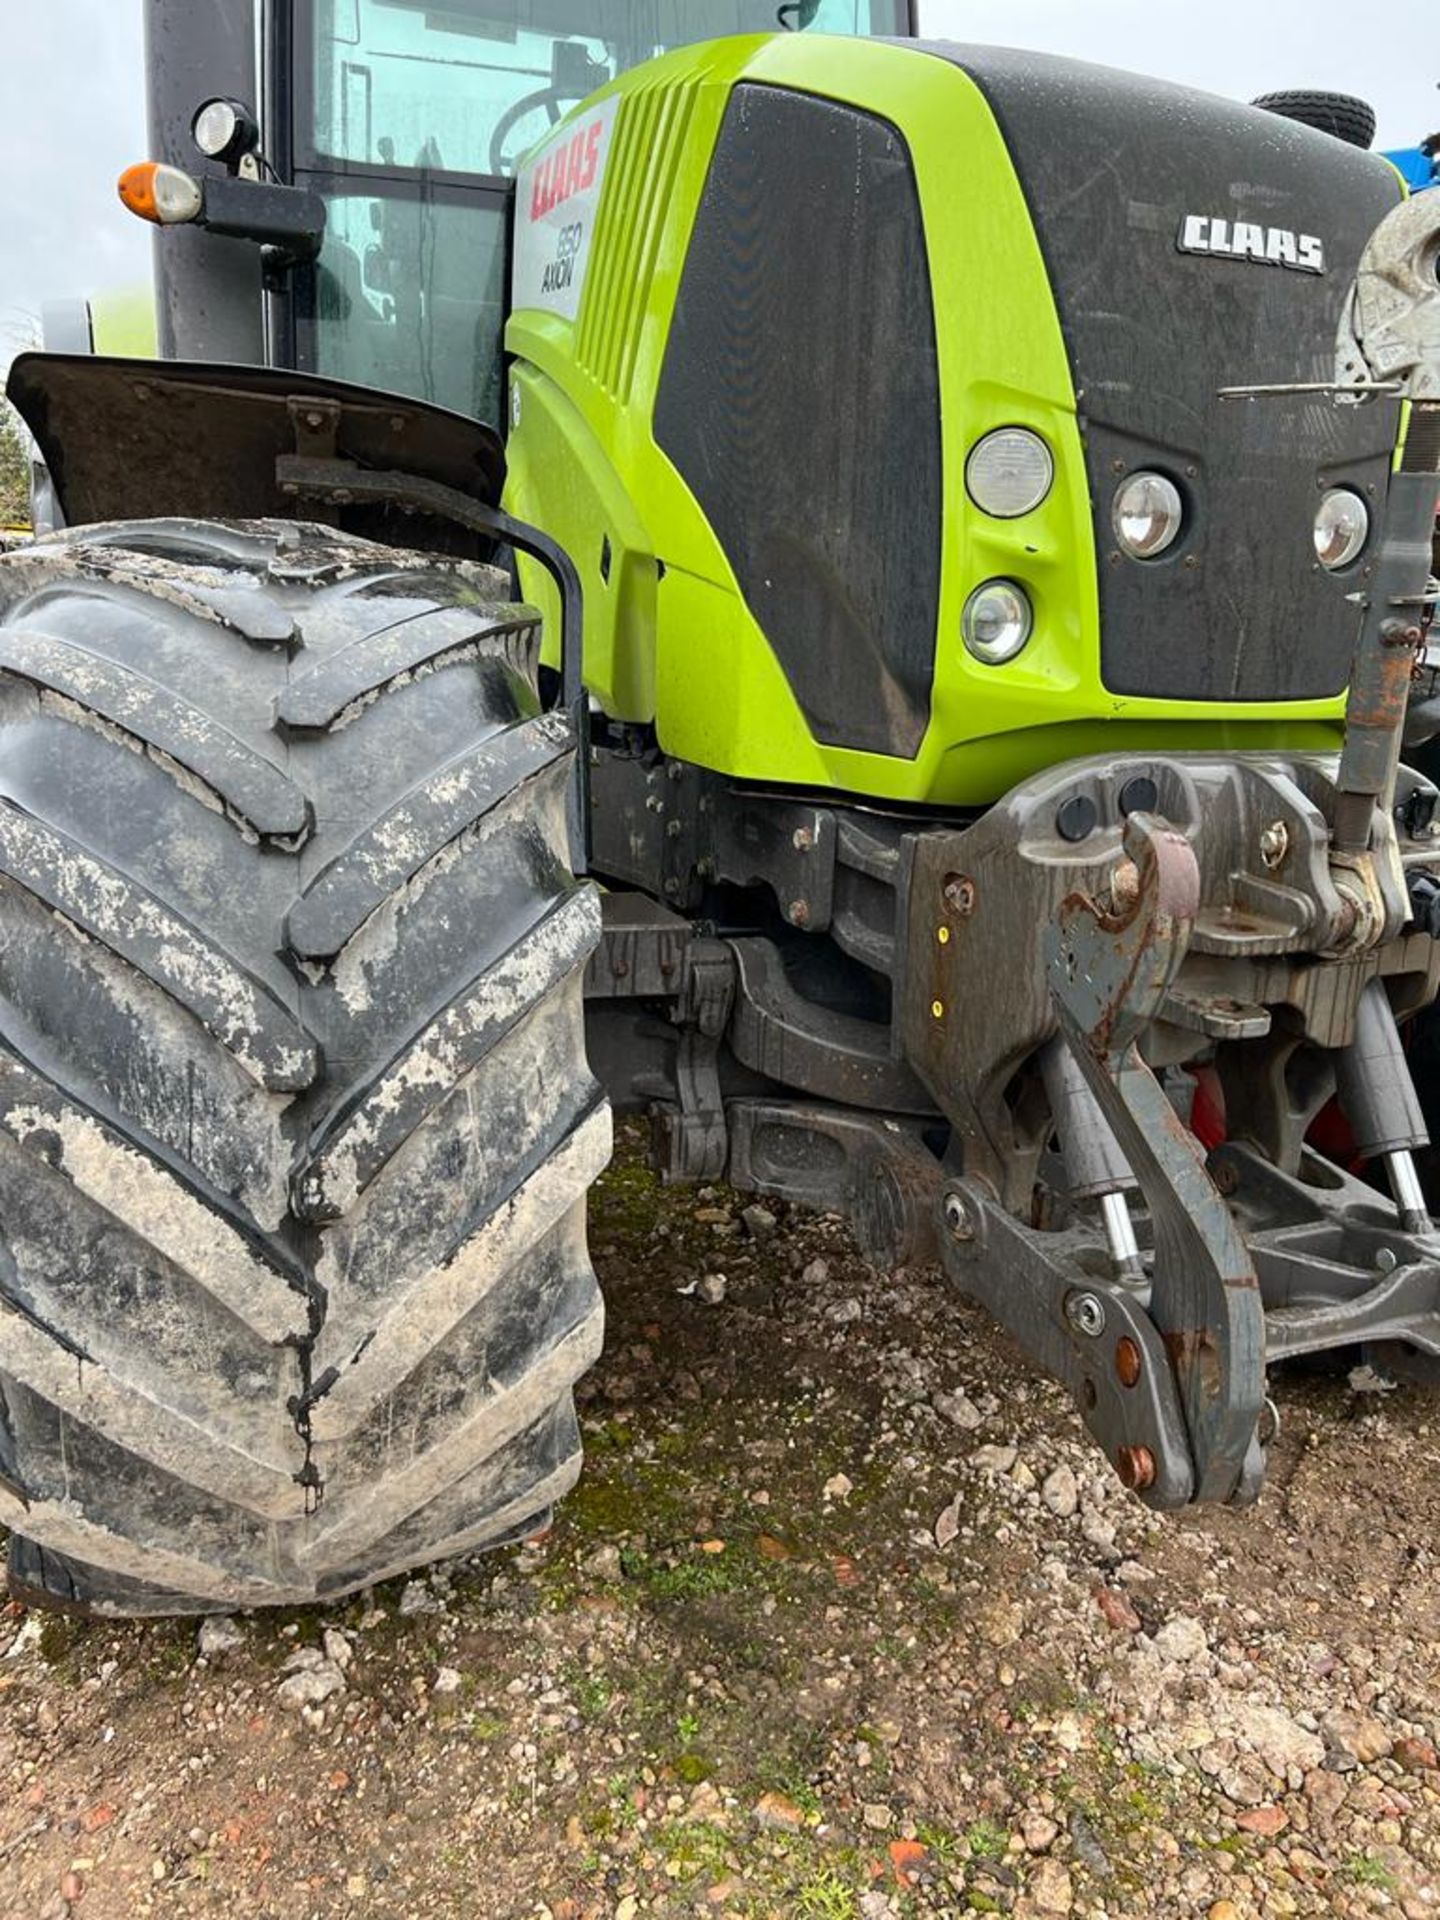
{"x":296,"y":1126}
{"x":1342,"y":115}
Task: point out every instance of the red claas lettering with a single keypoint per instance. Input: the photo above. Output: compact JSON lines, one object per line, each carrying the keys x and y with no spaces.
{"x":568,"y":170}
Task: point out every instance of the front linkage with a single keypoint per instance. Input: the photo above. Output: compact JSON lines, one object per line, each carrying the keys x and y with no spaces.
{"x":1260,"y":912}
{"x":1054,"y":967}
{"x":1207,"y":925}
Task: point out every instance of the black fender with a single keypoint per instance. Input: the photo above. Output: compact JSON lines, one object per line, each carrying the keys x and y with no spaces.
{"x":169,"y":439}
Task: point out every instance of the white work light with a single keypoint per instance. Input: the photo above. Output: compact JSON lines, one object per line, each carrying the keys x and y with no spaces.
{"x":1009,"y":472}
{"x":225,"y":130}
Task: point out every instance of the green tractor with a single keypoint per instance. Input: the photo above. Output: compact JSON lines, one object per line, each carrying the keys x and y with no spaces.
{"x":912,"y":705}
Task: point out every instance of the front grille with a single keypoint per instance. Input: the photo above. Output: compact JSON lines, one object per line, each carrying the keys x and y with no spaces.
{"x":649,"y":142}
{"x":800,"y":400}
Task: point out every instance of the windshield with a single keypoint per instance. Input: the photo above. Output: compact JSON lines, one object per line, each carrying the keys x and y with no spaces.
{"x":466,"y":86}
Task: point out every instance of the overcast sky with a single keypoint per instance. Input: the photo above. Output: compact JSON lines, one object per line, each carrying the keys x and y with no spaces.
{"x":71,"y":92}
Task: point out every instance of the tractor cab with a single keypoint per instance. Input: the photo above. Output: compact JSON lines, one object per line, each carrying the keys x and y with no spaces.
{"x":409,"y":120}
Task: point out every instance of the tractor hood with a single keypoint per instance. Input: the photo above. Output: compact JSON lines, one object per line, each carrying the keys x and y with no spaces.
{"x":1195,"y":244}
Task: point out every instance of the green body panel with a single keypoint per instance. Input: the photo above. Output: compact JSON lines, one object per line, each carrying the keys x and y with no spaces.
{"x":686,"y":653}
{"x":559,"y":476}
{"x":122,"y":322}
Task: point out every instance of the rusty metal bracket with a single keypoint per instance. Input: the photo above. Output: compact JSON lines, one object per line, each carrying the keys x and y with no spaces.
{"x":315,"y":422}
{"x":1092,"y":1332}
{"x":1110,"y":969}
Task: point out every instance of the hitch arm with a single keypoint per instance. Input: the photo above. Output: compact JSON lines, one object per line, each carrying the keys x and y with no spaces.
{"x":1110,"y":970}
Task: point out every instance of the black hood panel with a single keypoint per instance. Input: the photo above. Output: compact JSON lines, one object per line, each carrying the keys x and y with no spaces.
{"x":1112,"y":166}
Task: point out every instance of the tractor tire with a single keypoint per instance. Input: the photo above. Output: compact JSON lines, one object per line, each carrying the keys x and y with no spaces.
{"x":1340,"y":114}
{"x":296,"y":1125}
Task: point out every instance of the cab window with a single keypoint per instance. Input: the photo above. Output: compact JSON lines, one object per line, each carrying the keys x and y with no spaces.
{"x":467,"y":86}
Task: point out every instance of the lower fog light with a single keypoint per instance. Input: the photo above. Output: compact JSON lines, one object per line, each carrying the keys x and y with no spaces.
{"x":997,"y":621}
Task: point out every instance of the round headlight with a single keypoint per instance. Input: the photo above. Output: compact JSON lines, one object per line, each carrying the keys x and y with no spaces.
{"x":1009,"y":472}
{"x":997,"y":622}
{"x":1342,"y":526}
{"x":1147,"y":514}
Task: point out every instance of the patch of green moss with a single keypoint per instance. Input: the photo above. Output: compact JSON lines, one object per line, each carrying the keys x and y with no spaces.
{"x":825,"y":1896}
{"x":62,"y":1634}
{"x":693,"y":1577}
{"x":694,"y":1847}
{"x":170,"y":1648}
{"x":484,"y":1727}
{"x":987,"y":1839}
{"x":1362,"y":1871}
{"x":627,"y":1200}
{"x":592,"y":1693}
{"x":943,"y":1843}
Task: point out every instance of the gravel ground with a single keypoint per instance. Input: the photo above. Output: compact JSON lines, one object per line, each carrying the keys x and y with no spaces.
{"x":846,"y":1619}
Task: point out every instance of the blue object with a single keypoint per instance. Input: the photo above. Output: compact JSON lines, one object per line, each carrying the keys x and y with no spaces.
{"x":1419,"y":167}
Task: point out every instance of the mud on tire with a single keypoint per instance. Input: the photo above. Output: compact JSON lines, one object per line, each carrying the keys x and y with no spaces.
{"x":295,"y":1121}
